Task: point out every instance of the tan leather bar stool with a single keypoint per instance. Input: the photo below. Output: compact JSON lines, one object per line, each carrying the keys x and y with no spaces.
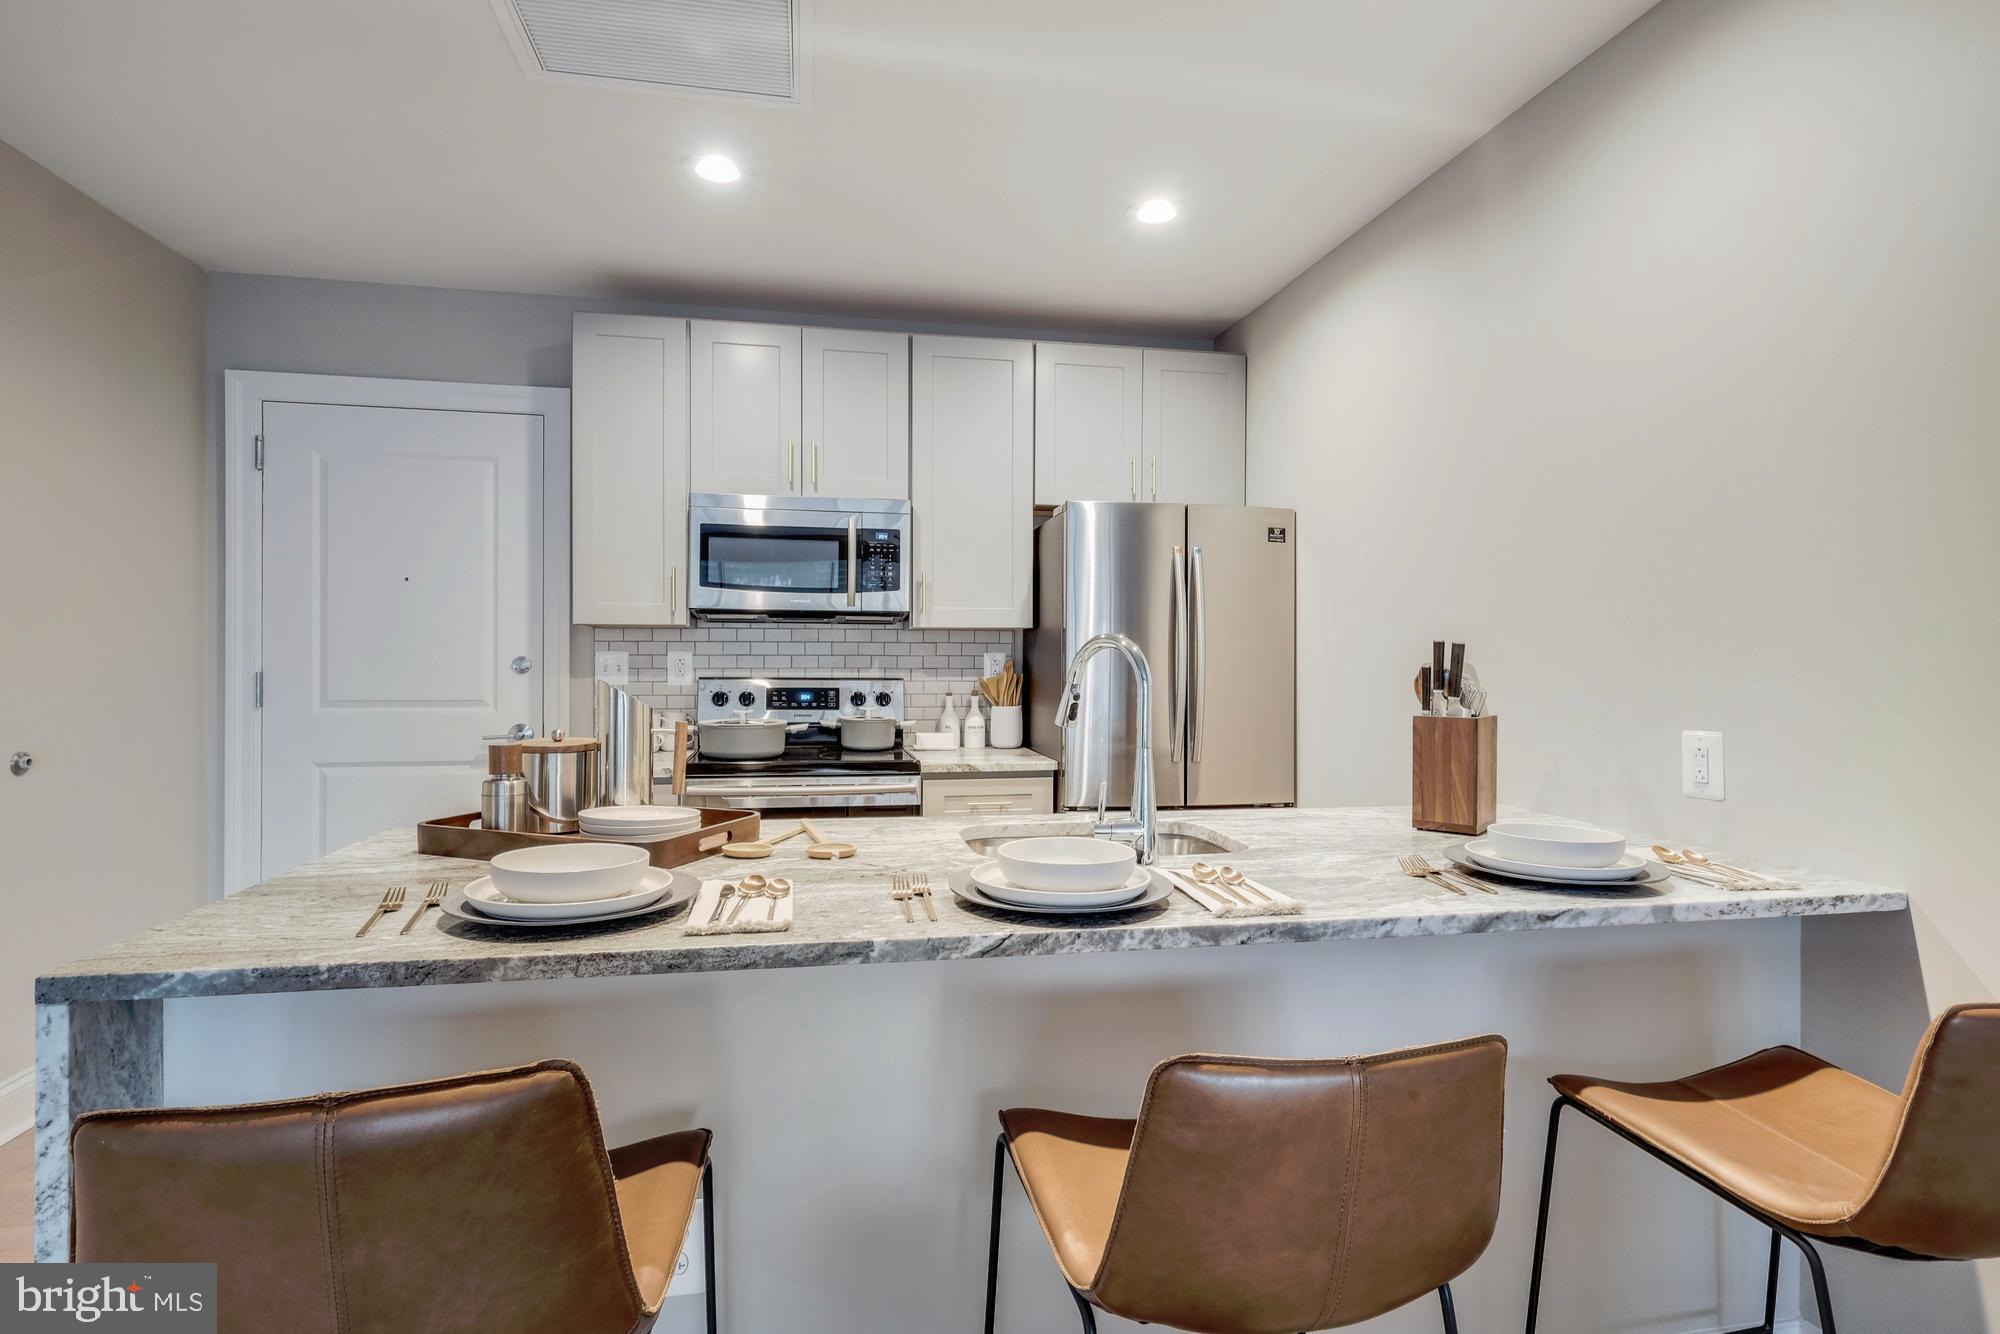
{"x":1269,"y":1197}
{"x":481,"y":1204}
{"x":1809,"y":1150}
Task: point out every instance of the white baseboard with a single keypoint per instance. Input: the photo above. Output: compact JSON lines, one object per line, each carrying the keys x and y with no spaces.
{"x":17,"y":1104}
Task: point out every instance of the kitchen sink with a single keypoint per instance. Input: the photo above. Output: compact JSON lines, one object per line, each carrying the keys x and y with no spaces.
{"x":1164,"y":844}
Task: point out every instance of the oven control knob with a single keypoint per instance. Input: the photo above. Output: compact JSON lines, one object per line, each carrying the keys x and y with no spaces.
{"x":857,"y":699}
{"x":719,"y":698}
{"x":882,"y":699}
{"x":747,"y":698}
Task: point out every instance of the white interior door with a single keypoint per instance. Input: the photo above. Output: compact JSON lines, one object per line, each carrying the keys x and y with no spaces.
{"x":857,"y":414}
{"x":743,"y":408}
{"x":402,"y":579}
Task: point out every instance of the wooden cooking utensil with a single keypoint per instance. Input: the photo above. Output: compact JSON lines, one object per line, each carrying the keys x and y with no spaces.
{"x":680,"y":760}
{"x":761,"y":847}
{"x":821,"y":850}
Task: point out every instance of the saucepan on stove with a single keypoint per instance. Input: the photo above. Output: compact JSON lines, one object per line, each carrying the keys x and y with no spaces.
{"x":864,"y":731}
{"x":743,"y":737}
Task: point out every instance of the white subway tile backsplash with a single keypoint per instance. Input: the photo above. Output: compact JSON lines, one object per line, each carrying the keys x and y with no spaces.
{"x":931,"y":663}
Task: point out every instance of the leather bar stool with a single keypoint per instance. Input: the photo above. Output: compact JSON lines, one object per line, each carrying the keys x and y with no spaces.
{"x":481,"y":1204}
{"x":1809,"y":1150}
{"x":1269,"y":1197}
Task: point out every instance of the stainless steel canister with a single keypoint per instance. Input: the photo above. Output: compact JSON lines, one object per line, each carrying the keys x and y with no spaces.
{"x":503,"y":803}
{"x":562,"y":781}
{"x":625,"y":746}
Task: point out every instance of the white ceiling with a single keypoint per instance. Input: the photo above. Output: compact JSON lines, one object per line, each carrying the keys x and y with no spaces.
{"x":956,"y":159}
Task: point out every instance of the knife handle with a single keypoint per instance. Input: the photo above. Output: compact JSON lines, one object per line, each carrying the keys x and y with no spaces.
{"x":1438,"y":679}
{"x":1455,"y":686}
{"x":1424,"y":689}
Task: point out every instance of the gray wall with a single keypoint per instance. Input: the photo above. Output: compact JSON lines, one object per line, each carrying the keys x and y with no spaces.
{"x":106,"y":606}
{"x":1675,"y":397}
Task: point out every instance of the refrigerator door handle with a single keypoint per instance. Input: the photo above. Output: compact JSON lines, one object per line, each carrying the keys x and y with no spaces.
{"x":1199,"y":685}
{"x":1178,"y":696}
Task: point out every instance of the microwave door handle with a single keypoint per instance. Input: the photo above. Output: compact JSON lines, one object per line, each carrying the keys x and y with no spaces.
{"x":1180,"y":690}
{"x":853,"y":557}
{"x":1200,"y":684}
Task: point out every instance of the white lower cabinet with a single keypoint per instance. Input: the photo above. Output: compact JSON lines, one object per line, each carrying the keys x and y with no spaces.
{"x":972,"y":481}
{"x":629,"y":470}
{"x":1026,"y":794}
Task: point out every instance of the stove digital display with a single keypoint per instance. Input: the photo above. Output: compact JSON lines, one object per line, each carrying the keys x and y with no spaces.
{"x":817,"y":699}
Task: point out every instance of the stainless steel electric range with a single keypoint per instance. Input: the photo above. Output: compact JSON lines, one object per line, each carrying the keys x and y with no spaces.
{"x":815,"y":773}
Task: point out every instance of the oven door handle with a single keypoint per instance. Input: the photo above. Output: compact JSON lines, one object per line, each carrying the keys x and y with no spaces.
{"x":696,"y":788}
{"x":853,"y":557}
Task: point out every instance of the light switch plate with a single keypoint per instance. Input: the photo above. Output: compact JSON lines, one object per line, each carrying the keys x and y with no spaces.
{"x":992,"y":664}
{"x":680,"y":668}
{"x":1701,"y":766}
{"x":614,"y":667}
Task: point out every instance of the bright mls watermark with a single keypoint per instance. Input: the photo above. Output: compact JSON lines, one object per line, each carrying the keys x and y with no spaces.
{"x":161,"y":1299}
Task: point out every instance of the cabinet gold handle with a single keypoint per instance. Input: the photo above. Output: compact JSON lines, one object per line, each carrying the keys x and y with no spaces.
{"x":1156,"y":479}
{"x":1135,"y":478}
{"x":791,"y":462}
{"x":815,"y":481}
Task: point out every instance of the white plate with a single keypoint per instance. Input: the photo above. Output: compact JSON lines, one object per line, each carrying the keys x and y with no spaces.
{"x":634,"y":839}
{"x":640,"y":817}
{"x":1627,"y":867}
{"x":993,"y":883}
{"x":676,"y":889}
{"x":967,"y":891}
{"x":1650,"y":873}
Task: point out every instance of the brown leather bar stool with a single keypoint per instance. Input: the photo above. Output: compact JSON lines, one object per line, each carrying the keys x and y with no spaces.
{"x":1809,"y":1150}
{"x":1269,"y":1197}
{"x":483,"y":1203}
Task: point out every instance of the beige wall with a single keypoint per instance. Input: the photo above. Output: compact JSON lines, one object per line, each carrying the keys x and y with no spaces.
{"x":1678,"y":397}
{"x":107,"y":665}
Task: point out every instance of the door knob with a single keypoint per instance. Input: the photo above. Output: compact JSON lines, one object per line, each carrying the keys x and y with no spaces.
{"x":20,"y":762}
{"x":522,"y":665}
{"x":518,"y":732}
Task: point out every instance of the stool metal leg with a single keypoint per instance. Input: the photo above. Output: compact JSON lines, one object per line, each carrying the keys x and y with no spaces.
{"x":993,"y":1237}
{"x":1542,"y":1219}
{"x":1083,"y":1309}
{"x":1821,"y":1294}
{"x":1770,"y":1324}
{"x":1450,"y":1316}
{"x":708,"y":1237}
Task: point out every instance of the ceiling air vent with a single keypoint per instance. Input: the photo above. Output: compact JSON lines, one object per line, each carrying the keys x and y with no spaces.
{"x":732,"y":48}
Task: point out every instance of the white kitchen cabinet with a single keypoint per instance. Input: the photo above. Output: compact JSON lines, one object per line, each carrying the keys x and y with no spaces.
{"x":1193,"y":436}
{"x":972,"y":481}
{"x":629,"y":470}
{"x":743,"y":408}
{"x":1015,"y":794}
{"x":1087,"y":422}
{"x":857,"y":414}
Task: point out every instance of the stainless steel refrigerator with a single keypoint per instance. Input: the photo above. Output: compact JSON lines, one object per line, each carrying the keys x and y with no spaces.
{"x":1207,"y":592}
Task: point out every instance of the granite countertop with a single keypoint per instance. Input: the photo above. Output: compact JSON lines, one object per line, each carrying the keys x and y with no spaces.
{"x":296,"y":933}
{"x":1019,"y":760}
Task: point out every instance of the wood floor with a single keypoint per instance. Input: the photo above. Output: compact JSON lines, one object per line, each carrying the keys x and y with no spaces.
{"x":17,"y":1200}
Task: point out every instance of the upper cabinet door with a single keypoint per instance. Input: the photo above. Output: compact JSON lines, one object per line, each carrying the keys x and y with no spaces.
{"x":629,"y":470}
{"x":1194,"y":427}
{"x":743,"y":401}
{"x":972,"y":474}
{"x":857,"y":414}
{"x":1087,"y":415}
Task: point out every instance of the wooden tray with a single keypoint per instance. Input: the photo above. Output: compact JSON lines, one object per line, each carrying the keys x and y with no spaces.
{"x":456,"y":836}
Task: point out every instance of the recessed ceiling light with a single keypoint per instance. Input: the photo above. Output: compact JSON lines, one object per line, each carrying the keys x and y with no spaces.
{"x":717,"y":168}
{"x":1157,"y":211}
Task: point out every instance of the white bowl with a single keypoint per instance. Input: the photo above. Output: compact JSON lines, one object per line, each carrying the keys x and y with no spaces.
{"x":568,"y":873}
{"x":1555,"y":844}
{"x":1075,"y":865}
{"x":928,"y":740}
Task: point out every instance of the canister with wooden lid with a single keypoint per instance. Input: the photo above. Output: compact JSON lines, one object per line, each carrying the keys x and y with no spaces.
{"x":562,"y":780}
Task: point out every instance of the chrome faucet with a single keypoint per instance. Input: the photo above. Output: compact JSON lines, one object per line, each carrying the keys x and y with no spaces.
{"x":1138,"y":825}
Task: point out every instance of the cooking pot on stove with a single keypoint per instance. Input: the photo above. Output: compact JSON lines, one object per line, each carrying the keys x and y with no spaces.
{"x":743,"y":737}
{"x":866,"y":732}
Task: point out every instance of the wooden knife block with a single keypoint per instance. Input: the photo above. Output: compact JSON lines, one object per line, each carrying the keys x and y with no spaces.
{"x":1453,"y":764}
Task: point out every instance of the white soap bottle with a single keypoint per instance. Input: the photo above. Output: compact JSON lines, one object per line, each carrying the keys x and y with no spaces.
{"x":975,"y":726}
{"x":948,"y":720}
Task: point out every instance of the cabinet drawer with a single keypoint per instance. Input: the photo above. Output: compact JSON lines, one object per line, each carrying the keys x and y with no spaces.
{"x":1032,"y":794}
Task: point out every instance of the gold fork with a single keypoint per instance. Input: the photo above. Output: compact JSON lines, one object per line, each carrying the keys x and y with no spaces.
{"x":923,"y":891}
{"x":1422,"y":870}
{"x":392,"y":901}
{"x":900,"y":891}
{"x":432,"y":898}
{"x":1456,"y":874}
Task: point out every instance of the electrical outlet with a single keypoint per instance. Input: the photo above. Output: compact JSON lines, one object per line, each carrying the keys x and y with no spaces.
{"x":614,"y":667}
{"x":1701,"y":765}
{"x":992,"y":664}
{"x":680,"y":668}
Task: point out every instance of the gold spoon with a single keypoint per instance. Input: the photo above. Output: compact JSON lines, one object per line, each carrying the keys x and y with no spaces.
{"x":778,"y":888}
{"x":1212,"y":878}
{"x":1720,"y":868}
{"x":1237,"y":881}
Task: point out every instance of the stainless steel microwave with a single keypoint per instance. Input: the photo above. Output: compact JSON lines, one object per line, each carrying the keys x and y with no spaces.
{"x":798,"y":557}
